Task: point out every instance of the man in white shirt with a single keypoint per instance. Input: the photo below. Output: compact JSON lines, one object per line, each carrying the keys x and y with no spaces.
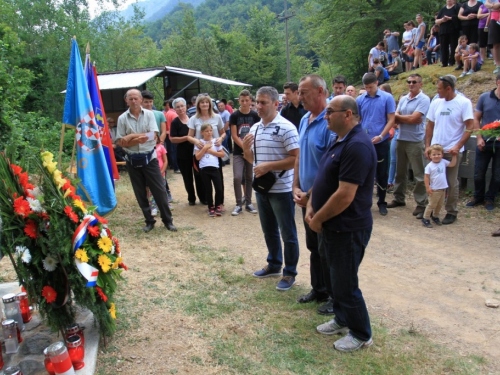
{"x":450,"y":124}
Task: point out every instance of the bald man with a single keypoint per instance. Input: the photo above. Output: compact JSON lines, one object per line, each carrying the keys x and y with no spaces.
{"x":136,"y":134}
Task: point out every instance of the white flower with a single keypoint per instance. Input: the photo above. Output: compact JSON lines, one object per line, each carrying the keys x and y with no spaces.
{"x":104,"y":233}
{"x":26,"y":256}
{"x":36,"y":192}
{"x":24,"y":253}
{"x":112,"y":250}
{"x":35,"y":204}
{"x":50,"y":263}
{"x":20,"y":250}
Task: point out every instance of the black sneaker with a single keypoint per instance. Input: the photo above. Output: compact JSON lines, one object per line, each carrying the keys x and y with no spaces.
{"x":436,"y":220}
{"x":449,"y":219}
{"x":327,"y":308}
{"x":426,"y":223}
{"x":382,"y":209}
{"x":459,"y":67}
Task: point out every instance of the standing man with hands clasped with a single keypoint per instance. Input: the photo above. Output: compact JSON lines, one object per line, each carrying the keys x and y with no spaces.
{"x":314,"y":140}
{"x":451,"y":122}
{"x":340,"y":209}
{"x":272,"y":146}
{"x":136,"y":134}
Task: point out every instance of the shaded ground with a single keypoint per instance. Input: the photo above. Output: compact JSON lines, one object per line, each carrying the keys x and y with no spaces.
{"x":430,"y":281}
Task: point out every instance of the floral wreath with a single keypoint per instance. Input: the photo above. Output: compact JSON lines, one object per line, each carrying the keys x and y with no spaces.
{"x":61,"y":250}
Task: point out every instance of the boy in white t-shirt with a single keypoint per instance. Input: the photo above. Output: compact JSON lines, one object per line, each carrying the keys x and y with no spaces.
{"x":436,"y":183}
{"x":208,"y":157}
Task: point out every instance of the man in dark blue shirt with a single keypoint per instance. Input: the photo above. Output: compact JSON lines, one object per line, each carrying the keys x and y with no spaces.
{"x":340,"y":209}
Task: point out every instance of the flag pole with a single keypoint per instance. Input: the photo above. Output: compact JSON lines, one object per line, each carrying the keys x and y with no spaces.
{"x":63,"y":130}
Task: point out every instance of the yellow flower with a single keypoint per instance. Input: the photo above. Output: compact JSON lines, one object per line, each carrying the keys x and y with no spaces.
{"x":82,"y":255}
{"x":47,"y":156}
{"x":112,"y":310}
{"x":51,"y":166}
{"x":105,"y":244}
{"x":104,"y":262}
{"x":78,"y":203}
{"x":117,"y":263}
{"x":67,"y":192}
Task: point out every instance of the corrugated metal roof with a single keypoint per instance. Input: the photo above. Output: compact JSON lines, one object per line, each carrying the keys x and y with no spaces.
{"x":196,"y":74}
{"x":126,"y":80}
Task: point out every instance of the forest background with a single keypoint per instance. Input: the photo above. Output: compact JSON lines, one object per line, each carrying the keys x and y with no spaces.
{"x":235,"y":39}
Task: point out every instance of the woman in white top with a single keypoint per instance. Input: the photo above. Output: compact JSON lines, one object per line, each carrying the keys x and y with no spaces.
{"x":205,"y":115}
{"x":419,"y":41}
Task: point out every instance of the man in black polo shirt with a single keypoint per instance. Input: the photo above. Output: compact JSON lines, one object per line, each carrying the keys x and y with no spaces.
{"x":294,"y":110}
{"x":340,"y":209}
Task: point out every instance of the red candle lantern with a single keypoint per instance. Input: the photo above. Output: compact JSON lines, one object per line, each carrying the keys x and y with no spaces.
{"x":48,"y":364}
{"x":60,"y":359}
{"x":24,"y":305}
{"x":76,"y":351}
{"x":75,"y":329}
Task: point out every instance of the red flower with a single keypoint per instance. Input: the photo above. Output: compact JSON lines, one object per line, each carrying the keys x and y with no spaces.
{"x":493,"y":125}
{"x":16,"y":169}
{"x":100,"y":218}
{"x":122,"y":265}
{"x":31,"y":229}
{"x":101,"y":294}
{"x":67,"y":184}
{"x":49,"y":293}
{"x":23,"y":178}
{"x":94,"y":231}
{"x":68,"y":210}
{"x":22,"y":207}
{"x":73,"y":217}
{"x":75,"y":197}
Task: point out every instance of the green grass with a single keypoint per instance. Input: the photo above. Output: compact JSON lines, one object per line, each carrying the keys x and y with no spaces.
{"x":253,"y":329}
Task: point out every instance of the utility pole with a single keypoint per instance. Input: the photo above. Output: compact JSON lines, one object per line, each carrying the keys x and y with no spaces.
{"x":286,"y":16}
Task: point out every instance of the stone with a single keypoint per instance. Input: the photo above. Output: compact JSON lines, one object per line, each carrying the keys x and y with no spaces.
{"x":31,"y":367}
{"x":492,"y":303}
{"x":35,"y":344}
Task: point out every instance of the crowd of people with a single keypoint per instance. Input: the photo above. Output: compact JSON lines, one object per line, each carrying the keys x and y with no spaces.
{"x":322,"y":153}
{"x":460,"y":35}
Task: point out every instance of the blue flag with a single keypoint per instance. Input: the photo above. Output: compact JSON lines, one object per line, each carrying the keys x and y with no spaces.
{"x":99,"y":113}
{"x":96,"y":185}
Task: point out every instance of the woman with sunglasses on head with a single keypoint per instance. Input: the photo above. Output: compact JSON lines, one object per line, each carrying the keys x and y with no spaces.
{"x":205,"y":115}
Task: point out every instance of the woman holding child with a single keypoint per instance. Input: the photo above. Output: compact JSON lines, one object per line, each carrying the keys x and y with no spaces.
{"x":205,"y":115}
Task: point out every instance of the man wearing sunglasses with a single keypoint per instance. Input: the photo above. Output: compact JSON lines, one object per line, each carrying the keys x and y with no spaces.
{"x":451,"y":122}
{"x":410,"y":115}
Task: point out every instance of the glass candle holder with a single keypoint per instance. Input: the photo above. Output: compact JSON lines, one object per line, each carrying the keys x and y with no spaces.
{"x":60,"y":359}
{"x":18,"y":331}
{"x":48,"y":364}
{"x":76,"y":351}
{"x":13,"y":370}
{"x":12,"y":309}
{"x":9,"y":332}
{"x":75,"y":329}
{"x":1,"y":357}
{"x":24,"y":305}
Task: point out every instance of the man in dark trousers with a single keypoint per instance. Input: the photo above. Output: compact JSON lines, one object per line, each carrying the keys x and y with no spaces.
{"x":340,"y":209}
{"x":136,"y":133}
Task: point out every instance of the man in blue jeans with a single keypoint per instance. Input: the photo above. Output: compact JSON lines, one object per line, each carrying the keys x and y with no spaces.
{"x":377,"y":110}
{"x":340,"y":209}
{"x":272,"y":146}
{"x":488,"y":148}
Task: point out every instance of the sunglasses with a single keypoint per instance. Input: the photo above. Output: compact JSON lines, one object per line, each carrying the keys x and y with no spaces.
{"x":412,"y":82}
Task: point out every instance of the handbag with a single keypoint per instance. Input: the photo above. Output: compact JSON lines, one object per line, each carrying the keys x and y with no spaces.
{"x":265,"y":182}
{"x":139,"y":160}
{"x":226,"y":154}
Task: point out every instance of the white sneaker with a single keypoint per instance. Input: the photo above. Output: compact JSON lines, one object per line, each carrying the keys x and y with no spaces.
{"x":462,"y":75}
{"x":470,"y":72}
{"x":154,"y":212}
{"x":331,"y":328}
{"x":237,"y":210}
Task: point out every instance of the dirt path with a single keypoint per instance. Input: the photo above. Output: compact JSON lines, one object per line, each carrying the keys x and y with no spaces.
{"x":434,"y":281}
